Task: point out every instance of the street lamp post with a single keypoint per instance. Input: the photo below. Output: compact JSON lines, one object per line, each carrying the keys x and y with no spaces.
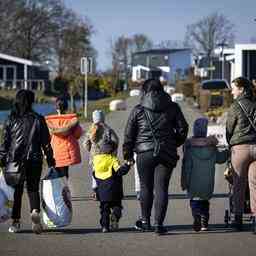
{"x":86,"y":63}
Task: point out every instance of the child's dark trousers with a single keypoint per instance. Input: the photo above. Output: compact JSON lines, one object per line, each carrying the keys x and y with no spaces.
{"x":105,"y":211}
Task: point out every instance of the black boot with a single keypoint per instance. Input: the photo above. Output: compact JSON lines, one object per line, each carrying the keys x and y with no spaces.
{"x":143,"y":225}
{"x":204,"y":222}
{"x":197,"y":223}
{"x":237,"y":224}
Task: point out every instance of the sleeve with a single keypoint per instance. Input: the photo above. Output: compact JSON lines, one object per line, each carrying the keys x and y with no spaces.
{"x":5,"y":143}
{"x":123,"y":170}
{"x":46,"y":142}
{"x":130,"y":136}
{"x":186,"y":168}
{"x":87,"y":144}
{"x":77,"y":131}
{"x":181,"y":127}
{"x":231,"y":123}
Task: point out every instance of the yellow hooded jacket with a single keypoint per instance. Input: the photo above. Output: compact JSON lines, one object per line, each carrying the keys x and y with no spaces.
{"x":104,"y":164}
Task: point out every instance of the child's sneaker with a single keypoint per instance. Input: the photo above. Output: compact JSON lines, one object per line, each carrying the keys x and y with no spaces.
{"x":105,"y":230}
{"x":37,"y":227}
{"x":197,"y":223}
{"x":114,"y":225}
{"x":15,"y":227}
{"x":204,"y":223}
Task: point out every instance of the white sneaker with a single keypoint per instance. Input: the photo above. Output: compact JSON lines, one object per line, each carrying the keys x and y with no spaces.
{"x":15,"y":227}
{"x":37,"y":227}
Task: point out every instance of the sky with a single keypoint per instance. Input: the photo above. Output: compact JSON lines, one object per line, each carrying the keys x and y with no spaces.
{"x":158,"y":19}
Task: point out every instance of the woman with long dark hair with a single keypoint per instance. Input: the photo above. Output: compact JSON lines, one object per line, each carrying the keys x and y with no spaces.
{"x":154,"y":130}
{"x":16,"y":147}
{"x":241,"y":137}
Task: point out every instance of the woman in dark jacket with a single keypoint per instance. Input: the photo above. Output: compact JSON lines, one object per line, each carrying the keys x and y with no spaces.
{"x":15,"y":149}
{"x":241,"y":137}
{"x":154,"y":130}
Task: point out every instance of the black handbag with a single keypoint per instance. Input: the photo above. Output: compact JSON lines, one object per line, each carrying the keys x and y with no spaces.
{"x":14,"y":172}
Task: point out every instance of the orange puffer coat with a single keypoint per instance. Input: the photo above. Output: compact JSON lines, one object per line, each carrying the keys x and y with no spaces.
{"x":65,"y":132}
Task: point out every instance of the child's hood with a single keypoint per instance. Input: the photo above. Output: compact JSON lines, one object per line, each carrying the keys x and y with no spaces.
{"x":61,"y":123}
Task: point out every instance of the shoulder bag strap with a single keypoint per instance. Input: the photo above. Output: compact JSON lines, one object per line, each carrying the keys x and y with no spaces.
{"x":247,"y":115}
{"x":150,"y":125}
{"x":32,"y":131}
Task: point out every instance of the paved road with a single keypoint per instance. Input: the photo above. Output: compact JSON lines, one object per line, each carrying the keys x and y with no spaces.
{"x":83,"y":237}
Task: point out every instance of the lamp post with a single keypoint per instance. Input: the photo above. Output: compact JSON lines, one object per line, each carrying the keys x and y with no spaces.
{"x":222,"y":45}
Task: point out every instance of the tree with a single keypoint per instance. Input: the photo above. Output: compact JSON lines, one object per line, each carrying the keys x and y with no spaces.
{"x":34,"y":27}
{"x":9,"y":14}
{"x":141,"y":42}
{"x":121,"y":55}
{"x":170,"y":44}
{"x":205,"y":35}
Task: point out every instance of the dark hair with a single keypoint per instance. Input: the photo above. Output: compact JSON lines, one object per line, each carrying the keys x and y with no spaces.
{"x":242,"y":82}
{"x":152,"y":85}
{"x":22,"y":103}
{"x":61,"y":104}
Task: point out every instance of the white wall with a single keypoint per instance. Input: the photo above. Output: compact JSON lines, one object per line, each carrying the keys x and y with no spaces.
{"x":239,"y":48}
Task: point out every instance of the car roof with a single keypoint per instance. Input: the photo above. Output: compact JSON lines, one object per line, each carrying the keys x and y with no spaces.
{"x":214,"y":84}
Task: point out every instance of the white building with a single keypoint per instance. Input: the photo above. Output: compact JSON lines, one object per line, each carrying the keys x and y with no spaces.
{"x":168,"y":64}
{"x":238,"y":61}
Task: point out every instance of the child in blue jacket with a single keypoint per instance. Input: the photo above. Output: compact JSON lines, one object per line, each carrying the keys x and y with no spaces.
{"x":198,"y":171}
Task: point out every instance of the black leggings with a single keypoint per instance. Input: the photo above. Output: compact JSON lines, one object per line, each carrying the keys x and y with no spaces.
{"x":32,"y":178}
{"x":153,"y":176}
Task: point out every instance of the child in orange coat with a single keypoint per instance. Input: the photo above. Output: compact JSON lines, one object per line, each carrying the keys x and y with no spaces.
{"x":65,"y":133}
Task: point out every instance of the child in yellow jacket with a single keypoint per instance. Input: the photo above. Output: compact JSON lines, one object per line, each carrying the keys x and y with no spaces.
{"x":108,"y":174}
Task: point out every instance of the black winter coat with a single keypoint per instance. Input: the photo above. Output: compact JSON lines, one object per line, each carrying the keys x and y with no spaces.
{"x":169,"y":125}
{"x":238,"y":128}
{"x":15,"y":138}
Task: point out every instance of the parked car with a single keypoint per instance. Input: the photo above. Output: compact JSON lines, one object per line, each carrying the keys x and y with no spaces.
{"x":215,"y":84}
{"x":214,"y":94}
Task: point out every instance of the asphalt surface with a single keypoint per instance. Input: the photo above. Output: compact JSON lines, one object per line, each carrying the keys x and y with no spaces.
{"x":84,"y":237}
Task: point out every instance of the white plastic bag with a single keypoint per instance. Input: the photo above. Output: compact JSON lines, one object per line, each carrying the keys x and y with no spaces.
{"x":56,"y":200}
{"x":6,"y":199}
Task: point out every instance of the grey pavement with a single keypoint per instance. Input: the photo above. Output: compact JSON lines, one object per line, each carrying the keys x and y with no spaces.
{"x":83,"y":236}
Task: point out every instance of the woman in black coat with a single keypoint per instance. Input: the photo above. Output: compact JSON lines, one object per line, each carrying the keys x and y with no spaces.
{"x":154,"y":130}
{"x":15,"y":148}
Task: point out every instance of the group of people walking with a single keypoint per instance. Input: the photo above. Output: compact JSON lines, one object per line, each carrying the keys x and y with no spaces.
{"x":156,"y":127}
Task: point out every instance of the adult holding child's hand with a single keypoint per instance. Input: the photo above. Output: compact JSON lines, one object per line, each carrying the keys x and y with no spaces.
{"x":154,"y":130}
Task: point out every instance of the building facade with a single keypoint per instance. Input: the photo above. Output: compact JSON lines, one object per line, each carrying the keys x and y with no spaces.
{"x":17,"y":73}
{"x":172,"y":64}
